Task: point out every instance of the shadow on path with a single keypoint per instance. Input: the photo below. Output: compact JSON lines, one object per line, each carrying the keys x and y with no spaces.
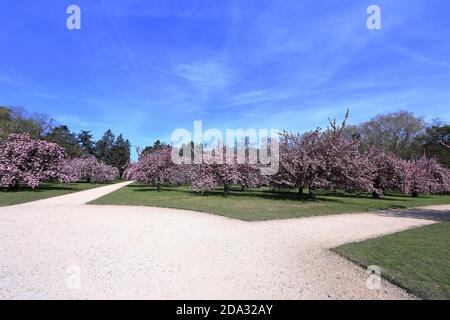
{"x":435,"y":215}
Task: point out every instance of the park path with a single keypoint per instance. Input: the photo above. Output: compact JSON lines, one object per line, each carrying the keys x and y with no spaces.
{"x":76,"y":198}
{"x":61,"y":248}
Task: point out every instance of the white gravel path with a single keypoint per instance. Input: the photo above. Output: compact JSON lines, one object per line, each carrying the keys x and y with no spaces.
{"x":153,"y":253}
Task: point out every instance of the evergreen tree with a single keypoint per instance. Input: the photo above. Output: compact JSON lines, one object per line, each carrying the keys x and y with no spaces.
{"x":67,"y":140}
{"x":120,"y":153}
{"x":86,"y":143}
{"x":104,"y":146}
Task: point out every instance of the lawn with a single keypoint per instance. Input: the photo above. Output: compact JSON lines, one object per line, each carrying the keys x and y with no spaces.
{"x":261,"y":204}
{"x":417,"y":260}
{"x":46,"y":190}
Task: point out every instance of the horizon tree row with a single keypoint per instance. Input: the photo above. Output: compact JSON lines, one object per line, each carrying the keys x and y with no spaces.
{"x":24,"y":160}
{"x":320,"y":159}
{"x":112,"y":150}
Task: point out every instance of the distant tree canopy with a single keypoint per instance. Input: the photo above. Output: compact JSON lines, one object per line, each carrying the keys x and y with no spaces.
{"x":62,"y":136}
{"x":86,"y":143}
{"x":103,"y":147}
{"x":157,"y":145}
{"x":397,"y":132}
{"x":112,"y":151}
{"x":404,"y":135}
{"x":17,"y":120}
{"x":436,"y":142}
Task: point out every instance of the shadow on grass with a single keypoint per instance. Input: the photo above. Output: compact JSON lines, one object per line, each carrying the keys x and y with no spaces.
{"x":40,"y":189}
{"x":434,"y":215}
{"x":50,"y":187}
{"x":338,"y":197}
{"x":280,"y":195}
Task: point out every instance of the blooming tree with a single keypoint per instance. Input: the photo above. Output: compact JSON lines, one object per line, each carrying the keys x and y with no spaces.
{"x":218,"y":168}
{"x":386,"y":170}
{"x":31,"y":161}
{"x":91,"y":170}
{"x":156,"y":168}
{"x":440,"y":175}
{"x":322,"y":159}
{"x":301,"y":161}
{"x":423,"y":176}
{"x":203,"y":178}
{"x":208,"y":176}
{"x":250,"y":176}
{"x":345,"y":166}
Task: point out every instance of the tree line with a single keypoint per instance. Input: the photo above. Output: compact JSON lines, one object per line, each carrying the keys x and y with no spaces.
{"x":340,"y":157}
{"x":396,"y":151}
{"x":109,"y":149}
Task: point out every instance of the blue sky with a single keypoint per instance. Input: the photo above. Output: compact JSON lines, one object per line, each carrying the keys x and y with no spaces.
{"x":147,"y":67}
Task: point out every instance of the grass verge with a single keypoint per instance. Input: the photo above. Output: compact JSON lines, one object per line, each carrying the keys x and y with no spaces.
{"x":261,"y":204}
{"x":46,"y":190}
{"x":417,"y":260}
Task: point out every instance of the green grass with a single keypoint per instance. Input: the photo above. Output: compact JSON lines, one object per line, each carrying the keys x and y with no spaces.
{"x":260,"y":204}
{"x":417,"y":260}
{"x":46,"y":190}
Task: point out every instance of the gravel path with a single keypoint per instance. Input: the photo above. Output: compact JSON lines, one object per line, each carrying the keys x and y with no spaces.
{"x":154,"y":253}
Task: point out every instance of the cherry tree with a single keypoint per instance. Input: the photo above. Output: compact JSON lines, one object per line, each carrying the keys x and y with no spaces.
{"x":155,"y":168}
{"x":91,"y":170}
{"x":386,"y":170}
{"x":217,"y":168}
{"x":345,"y":166}
{"x":416,"y":179}
{"x":322,"y":159}
{"x":250,"y":176}
{"x":423,"y":176}
{"x":301,"y":162}
{"x":440,"y":176}
{"x":203,"y":178}
{"x":31,"y":161}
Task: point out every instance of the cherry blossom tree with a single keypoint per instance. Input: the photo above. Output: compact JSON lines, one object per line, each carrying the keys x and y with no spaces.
{"x":322,"y":159}
{"x":203,"y":178}
{"x":250,"y":176}
{"x":91,"y":170}
{"x":440,"y":177}
{"x":217,"y":168}
{"x":416,"y":178}
{"x":301,"y":162}
{"x":424,"y":176}
{"x":386,"y":170}
{"x":31,"y":161}
{"x":156,"y":168}
{"x":345,"y":166}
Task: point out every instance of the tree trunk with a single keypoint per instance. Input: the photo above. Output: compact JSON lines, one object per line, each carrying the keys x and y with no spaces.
{"x":226,"y":189}
{"x":158,"y":187}
{"x":415,"y":194}
{"x":242,"y":187}
{"x":312,"y":193}
{"x":375,"y":195}
{"x":14,"y":187}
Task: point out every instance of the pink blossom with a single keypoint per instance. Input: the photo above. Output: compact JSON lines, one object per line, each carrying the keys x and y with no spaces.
{"x":31,"y":161}
{"x":91,"y":170}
